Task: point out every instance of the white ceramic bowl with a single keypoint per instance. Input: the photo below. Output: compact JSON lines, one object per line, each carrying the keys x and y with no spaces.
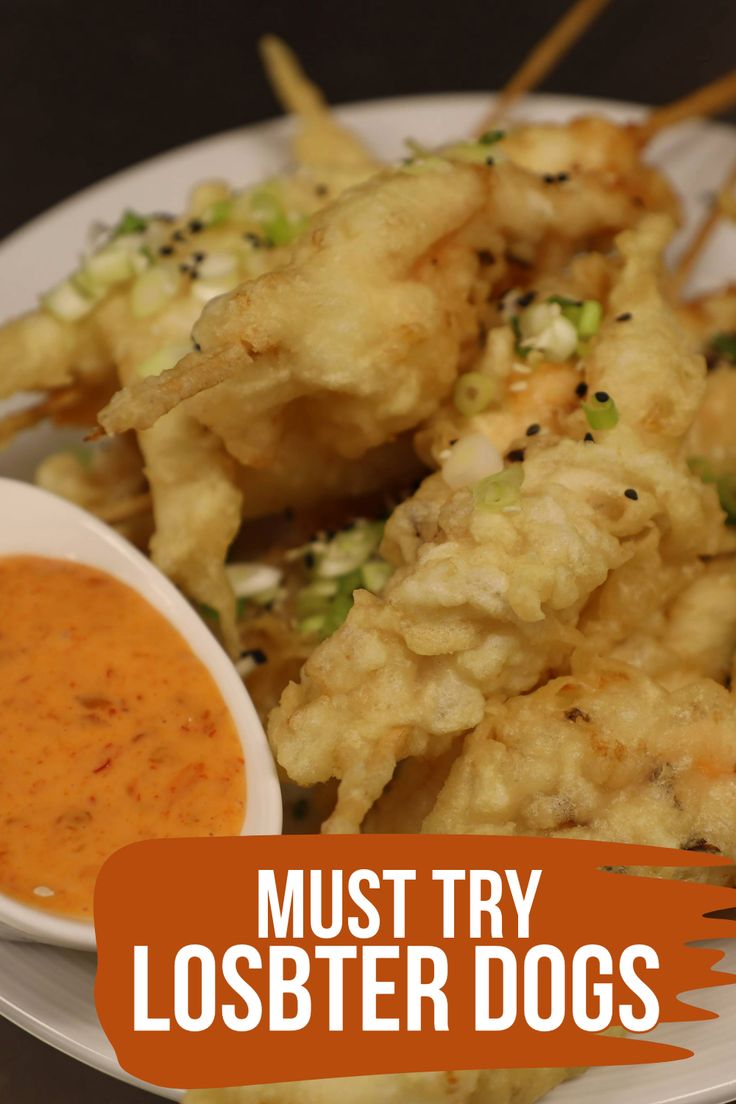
{"x":41,"y":524}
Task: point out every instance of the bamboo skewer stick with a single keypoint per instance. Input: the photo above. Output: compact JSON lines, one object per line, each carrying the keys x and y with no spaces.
{"x":545,"y":55}
{"x":712,"y":99}
{"x":702,"y":235}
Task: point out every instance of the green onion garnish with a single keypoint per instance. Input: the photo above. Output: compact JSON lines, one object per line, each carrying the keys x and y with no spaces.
{"x":491,"y":136}
{"x":725,"y":484}
{"x":589,"y":319}
{"x":376,"y":573}
{"x":473,"y":393}
{"x":601,"y":411}
{"x":725,"y":345}
{"x":516,"y":327}
{"x":208,"y":612}
{"x":500,"y":491}
{"x":218,"y":212}
{"x":130,"y":223}
{"x":269,"y":211}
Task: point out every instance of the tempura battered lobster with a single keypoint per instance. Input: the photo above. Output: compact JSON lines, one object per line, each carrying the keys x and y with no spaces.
{"x":489,"y":601}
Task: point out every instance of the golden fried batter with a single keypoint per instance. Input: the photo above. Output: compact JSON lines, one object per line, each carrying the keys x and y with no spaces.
{"x":487,"y":602}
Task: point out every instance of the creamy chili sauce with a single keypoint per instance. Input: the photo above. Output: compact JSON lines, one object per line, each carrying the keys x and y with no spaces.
{"x":111,"y":731}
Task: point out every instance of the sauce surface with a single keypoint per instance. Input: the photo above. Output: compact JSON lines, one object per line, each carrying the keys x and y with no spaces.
{"x":111,"y":731}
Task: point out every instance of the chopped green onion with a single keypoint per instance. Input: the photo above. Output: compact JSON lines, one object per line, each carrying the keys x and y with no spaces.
{"x":589,"y":320}
{"x":250,"y":579}
{"x":585,"y":316}
{"x":470,"y":459}
{"x":88,"y":287}
{"x":337,"y":613}
{"x":153,"y":290}
{"x":491,"y":136}
{"x":376,"y":573}
{"x":218,"y":266}
{"x":163,"y":359}
{"x":315,"y":597}
{"x":313,"y":625}
{"x":544,"y":329}
{"x":130,"y":223}
{"x":473,"y":393}
{"x":500,"y":491}
{"x":111,"y":265}
{"x":601,"y":413}
{"x":516,"y":328}
{"x":350,"y":549}
{"x":476,"y":153}
{"x":217,"y":212}
{"x":278,"y":226}
{"x":209,"y":612}
{"x":725,"y":345}
{"x":67,"y":302}
{"x":725,"y":484}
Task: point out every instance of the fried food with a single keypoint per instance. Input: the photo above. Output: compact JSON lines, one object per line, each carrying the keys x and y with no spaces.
{"x":606,"y":754}
{"x":461,"y":1087}
{"x":487,"y":602}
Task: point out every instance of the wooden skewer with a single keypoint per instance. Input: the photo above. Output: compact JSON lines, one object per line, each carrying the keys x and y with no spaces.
{"x":702,"y":235}
{"x":545,"y":55}
{"x":712,"y":99}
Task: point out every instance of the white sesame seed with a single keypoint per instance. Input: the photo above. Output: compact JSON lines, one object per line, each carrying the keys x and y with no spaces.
{"x":520,"y":385}
{"x":43,"y":891}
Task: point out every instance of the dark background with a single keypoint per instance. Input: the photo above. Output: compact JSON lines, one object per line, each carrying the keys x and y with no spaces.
{"x":88,"y":87}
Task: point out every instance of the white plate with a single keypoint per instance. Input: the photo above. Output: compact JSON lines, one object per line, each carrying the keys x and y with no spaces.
{"x":48,"y":991}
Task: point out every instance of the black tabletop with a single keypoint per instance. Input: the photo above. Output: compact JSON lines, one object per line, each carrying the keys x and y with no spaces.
{"x":88,"y":88}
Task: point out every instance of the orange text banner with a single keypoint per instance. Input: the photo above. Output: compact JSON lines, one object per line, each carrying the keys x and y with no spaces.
{"x":255,"y":960}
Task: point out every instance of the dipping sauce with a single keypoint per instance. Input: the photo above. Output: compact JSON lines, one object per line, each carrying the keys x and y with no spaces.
{"x":111,"y":731}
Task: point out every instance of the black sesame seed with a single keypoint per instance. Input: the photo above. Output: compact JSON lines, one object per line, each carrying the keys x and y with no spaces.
{"x":183,"y":267}
{"x":196,"y":225}
{"x":452,"y":441}
{"x":631,"y":493}
{"x":525,"y":299}
{"x":562,"y":177}
{"x":516,"y":456}
{"x":197,"y":347}
{"x":581,"y":390}
{"x":178,"y":236}
{"x":490,"y":161}
{"x":254,"y":239}
{"x":258,"y":656}
{"x":485,"y":257}
{"x":533,"y":430}
{"x":601,"y":396}
{"x":166,"y":250}
{"x":589,"y":437}
{"x":549,"y":178}
{"x":309,"y":560}
{"x":194,"y":275}
{"x":199,"y":257}
{"x":623,"y":317}
{"x":321,"y":190}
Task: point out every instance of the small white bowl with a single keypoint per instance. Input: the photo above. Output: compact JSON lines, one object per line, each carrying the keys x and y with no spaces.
{"x":39,"y":523}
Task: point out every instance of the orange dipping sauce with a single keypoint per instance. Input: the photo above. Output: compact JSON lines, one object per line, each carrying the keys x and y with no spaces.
{"x":111,"y":731}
